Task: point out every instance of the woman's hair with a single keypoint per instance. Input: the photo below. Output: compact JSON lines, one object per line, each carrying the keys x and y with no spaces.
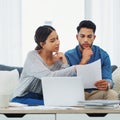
{"x":42,"y":34}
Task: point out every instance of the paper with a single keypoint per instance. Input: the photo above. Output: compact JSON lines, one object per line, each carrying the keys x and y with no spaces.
{"x":90,"y":73}
{"x":40,"y":107}
{"x":103,"y":107}
{"x":14,"y":104}
{"x":100,"y":103}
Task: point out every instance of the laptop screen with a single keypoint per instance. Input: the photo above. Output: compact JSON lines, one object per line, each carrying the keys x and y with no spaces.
{"x":62,"y":91}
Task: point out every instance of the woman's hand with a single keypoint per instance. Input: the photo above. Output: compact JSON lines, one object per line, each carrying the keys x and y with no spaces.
{"x":60,"y":56}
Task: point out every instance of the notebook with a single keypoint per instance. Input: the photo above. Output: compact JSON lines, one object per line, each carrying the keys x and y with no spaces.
{"x":62,"y":91}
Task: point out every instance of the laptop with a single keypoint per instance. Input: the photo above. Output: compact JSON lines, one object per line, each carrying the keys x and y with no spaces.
{"x":62,"y":91}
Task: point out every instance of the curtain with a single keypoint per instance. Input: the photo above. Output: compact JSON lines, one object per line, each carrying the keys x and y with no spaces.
{"x":10,"y":32}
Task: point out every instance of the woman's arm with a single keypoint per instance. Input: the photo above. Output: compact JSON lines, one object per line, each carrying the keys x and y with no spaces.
{"x":34,"y":66}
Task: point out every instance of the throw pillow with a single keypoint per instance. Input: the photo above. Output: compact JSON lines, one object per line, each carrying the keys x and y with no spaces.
{"x":116,"y":80}
{"x":8,"y":81}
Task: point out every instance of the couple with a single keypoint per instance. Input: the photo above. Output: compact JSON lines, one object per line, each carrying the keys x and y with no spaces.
{"x":42,"y":62}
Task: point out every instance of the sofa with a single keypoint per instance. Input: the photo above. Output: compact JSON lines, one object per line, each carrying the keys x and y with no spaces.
{"x":115,"y":74}
{"x":116,"y":79}
{"x":9,"y":68}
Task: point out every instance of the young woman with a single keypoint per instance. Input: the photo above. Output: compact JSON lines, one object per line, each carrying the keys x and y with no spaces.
{"x":45,"y":60}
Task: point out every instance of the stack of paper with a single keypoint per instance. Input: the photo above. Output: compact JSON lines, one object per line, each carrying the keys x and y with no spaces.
{"x":100,"y":103}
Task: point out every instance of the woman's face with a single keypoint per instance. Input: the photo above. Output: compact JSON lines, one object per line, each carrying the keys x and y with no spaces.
{"x":52,"y":43}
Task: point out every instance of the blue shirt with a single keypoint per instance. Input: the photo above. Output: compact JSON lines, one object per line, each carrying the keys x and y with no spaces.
{"x":74,"y":57}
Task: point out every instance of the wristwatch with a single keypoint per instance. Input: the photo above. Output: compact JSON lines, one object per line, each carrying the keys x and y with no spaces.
{"x":109,"y":86}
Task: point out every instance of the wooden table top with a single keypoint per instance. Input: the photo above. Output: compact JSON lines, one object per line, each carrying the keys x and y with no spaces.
{"x":56,"y":110}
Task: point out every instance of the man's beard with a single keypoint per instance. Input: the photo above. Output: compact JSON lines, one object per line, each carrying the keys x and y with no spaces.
{"x":81,"y":47}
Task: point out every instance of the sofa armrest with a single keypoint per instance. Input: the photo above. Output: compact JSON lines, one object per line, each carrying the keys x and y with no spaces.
{"x":114,"y":67}
{"x":9,"y":68}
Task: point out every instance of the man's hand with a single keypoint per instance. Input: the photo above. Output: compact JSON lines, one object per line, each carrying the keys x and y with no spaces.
{"x":102,"y":85}
{"x":86,"y":54}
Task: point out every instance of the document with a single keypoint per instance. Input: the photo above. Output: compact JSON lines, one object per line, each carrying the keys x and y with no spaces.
{"x":15,"y":104}
{"x":100,"y":103}
{"x":42,"y":107}
{"x":90,"y":73}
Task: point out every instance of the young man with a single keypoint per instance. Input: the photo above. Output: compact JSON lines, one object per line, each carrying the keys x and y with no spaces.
{"x":86,"y":53}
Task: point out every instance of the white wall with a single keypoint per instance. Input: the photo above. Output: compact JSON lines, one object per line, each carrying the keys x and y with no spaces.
{"x":106,"y":15}
{"x":18,"y":22}
{"x":64,"y":15}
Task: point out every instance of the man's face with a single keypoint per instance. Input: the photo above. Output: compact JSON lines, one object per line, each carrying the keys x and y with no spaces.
{"x":85,"y":38}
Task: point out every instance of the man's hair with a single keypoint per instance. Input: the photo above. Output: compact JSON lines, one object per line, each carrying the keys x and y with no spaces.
{"x":86,"y":24}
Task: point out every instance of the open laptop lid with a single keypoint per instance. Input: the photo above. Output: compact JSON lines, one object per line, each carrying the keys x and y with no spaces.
{"x":62,"y":91}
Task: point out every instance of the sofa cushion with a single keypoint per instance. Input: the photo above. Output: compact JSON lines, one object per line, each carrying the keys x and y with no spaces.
{"x":9,"y":68}
{"x":116,"y":80}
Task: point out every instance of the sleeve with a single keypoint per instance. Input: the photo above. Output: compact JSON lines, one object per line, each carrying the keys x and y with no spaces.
{"x":36,"y":67}
{"x":106,"y":69}
{"x":67,"y":57}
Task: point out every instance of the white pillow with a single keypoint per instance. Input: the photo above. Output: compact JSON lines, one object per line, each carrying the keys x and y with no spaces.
{"x":8,"y":81}
{"x":116,"y":80}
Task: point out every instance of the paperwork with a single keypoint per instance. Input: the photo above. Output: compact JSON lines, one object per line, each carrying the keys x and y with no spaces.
{"x":40,"y":107}
{"x":15,"y":104}
{"x":90,"y":73}
{"x":100,"y":103}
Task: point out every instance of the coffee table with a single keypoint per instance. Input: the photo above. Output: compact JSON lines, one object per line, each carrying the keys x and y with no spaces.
{"x":71,"y":113}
